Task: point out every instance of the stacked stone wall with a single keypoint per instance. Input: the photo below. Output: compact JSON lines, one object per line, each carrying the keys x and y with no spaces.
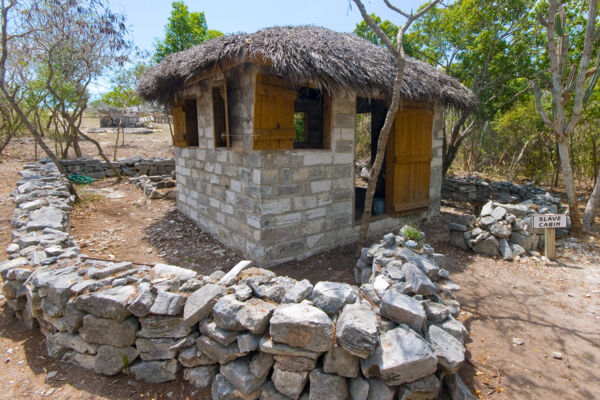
{"x":473,"y":188}
{"x":247,"y":333}
{"x":133,"y":166}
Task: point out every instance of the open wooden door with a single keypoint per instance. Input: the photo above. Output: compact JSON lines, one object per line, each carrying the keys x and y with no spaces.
{"x":273,"y":114}
{"x":179,"y":123}
{"x":409,"y":160}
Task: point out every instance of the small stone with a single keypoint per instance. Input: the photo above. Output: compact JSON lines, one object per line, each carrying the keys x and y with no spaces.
{"x":557,"y":355}
{"x":155,"y":371}
{"x":243,"y":292}
{"x":302,"y":326}
{"x":422,"y":389}
{"x":325,"y":386}
{"x":140,"y":307}
{"x":436,"y":312}
{"x":254,"y":315}
{"x":340,"y":362}
{"x":332,"y":296}
{"x":402,"y":309}
{"x":167,"y":303}
{"x":517,"y":341}
{"x":417,"y":281}
{"x":225,"y":313}
{"x":200,"y":377}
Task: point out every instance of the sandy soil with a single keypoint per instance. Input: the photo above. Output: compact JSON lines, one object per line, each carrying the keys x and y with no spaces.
{"x":553,"y":308}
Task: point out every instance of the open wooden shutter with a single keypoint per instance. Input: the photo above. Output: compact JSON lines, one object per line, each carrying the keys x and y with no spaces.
{"x":273,"y":114}
{"x":179,"y":129}
{"x":410,"y":151}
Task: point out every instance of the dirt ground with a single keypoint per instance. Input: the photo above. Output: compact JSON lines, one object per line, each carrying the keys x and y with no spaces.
{"x":552,"y":308}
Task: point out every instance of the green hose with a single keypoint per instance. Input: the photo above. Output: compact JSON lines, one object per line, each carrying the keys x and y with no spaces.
{"x":81,"y":179}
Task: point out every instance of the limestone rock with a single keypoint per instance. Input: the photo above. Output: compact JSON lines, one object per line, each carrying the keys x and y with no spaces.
{"x":268,"y":346}
{"x":289,"y":383}
{"x":303,"y":326}
{"x":380,"y":391}
{"x":325,"y":386}
{"x":163,"y":326}
{"x":332,"y":296}
{"x":296,"y":364}
{"x":221,"y":354}
{"x":449,"y":351}
{"x":488,"y":247}
{"x":238,"y":374}
{"x":200,"y":303}
{"x":300,"y":291}
{"x":191,"y":357}
{"x":356,"y":330}
{"x":417,"y":281}
{"x":200,"y":377}
{"x":167,"y":303}
{"x":223,"y":337}
{"x":359,"y":388}
{"x":402,"y":356}
{"x":110,"y":303}
{"x":155,"y":371}
{"x":340,"y":362}
{"x":155,"y":349}
{"x":402,"y":309}
{"x":111,"y":360}
{"x":422,"y":389}
{"x":108,"y":331}
{"x":225,"y":313}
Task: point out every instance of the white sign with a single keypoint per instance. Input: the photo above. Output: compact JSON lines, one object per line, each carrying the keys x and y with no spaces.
{"x":549,"y":221}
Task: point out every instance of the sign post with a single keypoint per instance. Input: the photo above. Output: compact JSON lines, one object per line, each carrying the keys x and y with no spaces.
{"x":549,"y":222}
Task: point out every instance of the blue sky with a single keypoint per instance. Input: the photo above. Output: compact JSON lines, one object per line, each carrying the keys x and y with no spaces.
{"x":146,"y":19}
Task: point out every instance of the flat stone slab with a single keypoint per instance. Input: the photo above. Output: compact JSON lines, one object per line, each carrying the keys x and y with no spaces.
{"x":221,"y":354}
{"x":200,"y":303}
{"x":161,"y":326}
{"x":167,"y":303}
{"x":268,"y":346}
{"x":402,"y":309}
{"x":402,"y":356}
{"x":172,"y":271}
{"x":449,"y":350}
{"x":111,"y":303}
{"x":303,"y":326}
{"x":155,"y":371}
{"x":108,"y":331}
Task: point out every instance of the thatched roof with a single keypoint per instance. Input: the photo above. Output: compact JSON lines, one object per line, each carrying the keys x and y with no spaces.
{"x":326,"y":58}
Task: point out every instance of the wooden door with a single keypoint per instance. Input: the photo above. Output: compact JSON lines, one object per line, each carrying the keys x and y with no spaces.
{"x":273,"y":114}
{"x":409,"y":160}
{"x":179,"y":126}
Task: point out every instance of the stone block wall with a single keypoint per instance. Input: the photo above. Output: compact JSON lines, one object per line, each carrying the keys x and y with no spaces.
{"x":277,"y":205}
{"x":133,"y":166}
{"x":247,"y":333}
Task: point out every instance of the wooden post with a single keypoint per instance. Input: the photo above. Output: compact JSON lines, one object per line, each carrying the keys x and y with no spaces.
{"x":549,"y":242}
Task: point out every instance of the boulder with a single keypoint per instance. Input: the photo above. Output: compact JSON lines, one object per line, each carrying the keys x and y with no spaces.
{"x":303,"y":326}
{"x":402,"y":356}
{"x":356,"y":330}
{"x":402,"y":309}
{"x":332,"y":296}
{"x":489,"y":247}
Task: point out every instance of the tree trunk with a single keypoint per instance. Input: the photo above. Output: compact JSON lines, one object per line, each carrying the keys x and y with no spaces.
{"x":170,"y":126}
{"x":592,"y":206}
{"x":515,"y":166}
{"x":116,"y":144}
{"x":75,"y":143}
{"x":565,"y":162}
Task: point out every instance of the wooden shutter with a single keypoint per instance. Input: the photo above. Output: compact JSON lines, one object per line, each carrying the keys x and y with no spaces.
{"x":273,"y":114}
{"x":179,"y":129}
{"x":409,"y":155}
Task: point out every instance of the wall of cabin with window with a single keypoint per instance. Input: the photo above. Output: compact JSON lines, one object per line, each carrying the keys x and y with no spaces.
{"x":262,"y":197}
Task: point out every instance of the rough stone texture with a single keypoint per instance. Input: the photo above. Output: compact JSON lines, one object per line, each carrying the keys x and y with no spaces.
{"x":221,"y":354}
{"x":296,"y":364}
{"x":222,"y":336}
{"x":156,"y":349}
{"x":200,"y":303}
{"x":402,"y":309}
{"x":160,"y":326}
{"x":238,"y":374}
{"x":155,"y":371}
{"x":200,"y":377}
{"x":340,"y":362}
{"x":111,"y":360}
{"x":417,"y":282}
{"x":402,"y":356}
{"x":268,"y":346}
{"x":380,"y":391}
{"x":289,"y":383}
{"x":325,"y":386}
{"x":167,"y":303}
{"x":421,"y":389}
{"x":332,"y":296}
{"x":108,"y":331}
{"x":356,"y":330}
{"x":359,"y":388}
{"x":110,"y":303}
{"x":303,"y":326}
{"x":254,"y":315}
{"x":449,"y":351}
{"x":298,"y":292}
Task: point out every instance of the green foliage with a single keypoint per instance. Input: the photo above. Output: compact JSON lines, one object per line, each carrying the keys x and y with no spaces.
{"x":364,"y":30}
{"x":184,"y":30}
{"x":299,"y":126}
{"x":412,"y":232}
{"x":123,"y":94}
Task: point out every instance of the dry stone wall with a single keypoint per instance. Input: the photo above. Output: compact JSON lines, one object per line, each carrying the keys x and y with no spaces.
{"x":473,"y":188}
{"x":133,"y":166}
{"x":247,"y":333}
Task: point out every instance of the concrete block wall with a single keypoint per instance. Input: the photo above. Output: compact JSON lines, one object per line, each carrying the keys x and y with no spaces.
{"x":277,"y":205}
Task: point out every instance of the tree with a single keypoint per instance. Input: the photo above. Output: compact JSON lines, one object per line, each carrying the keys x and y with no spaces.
{"x":184,"y":30}
{"x":486,"y":46}
{"x":51,"y":51}
{"x":123,"y":95}
{"x":397,"y":51}
{"x":570,"y":84}
{"x":365,"y":31}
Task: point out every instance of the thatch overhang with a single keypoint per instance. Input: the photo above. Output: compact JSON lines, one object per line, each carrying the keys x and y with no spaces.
{"x":329,"y":60}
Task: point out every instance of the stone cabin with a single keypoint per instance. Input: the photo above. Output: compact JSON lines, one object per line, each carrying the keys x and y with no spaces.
{"x":265,"y":138}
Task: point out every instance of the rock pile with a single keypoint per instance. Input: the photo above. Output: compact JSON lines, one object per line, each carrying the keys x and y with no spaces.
{"x":473,"y":188}
{"x":247,"y":334}
{"x":152,"y":185}
{"x":504,"y":230}
{"x":133,"y":166}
